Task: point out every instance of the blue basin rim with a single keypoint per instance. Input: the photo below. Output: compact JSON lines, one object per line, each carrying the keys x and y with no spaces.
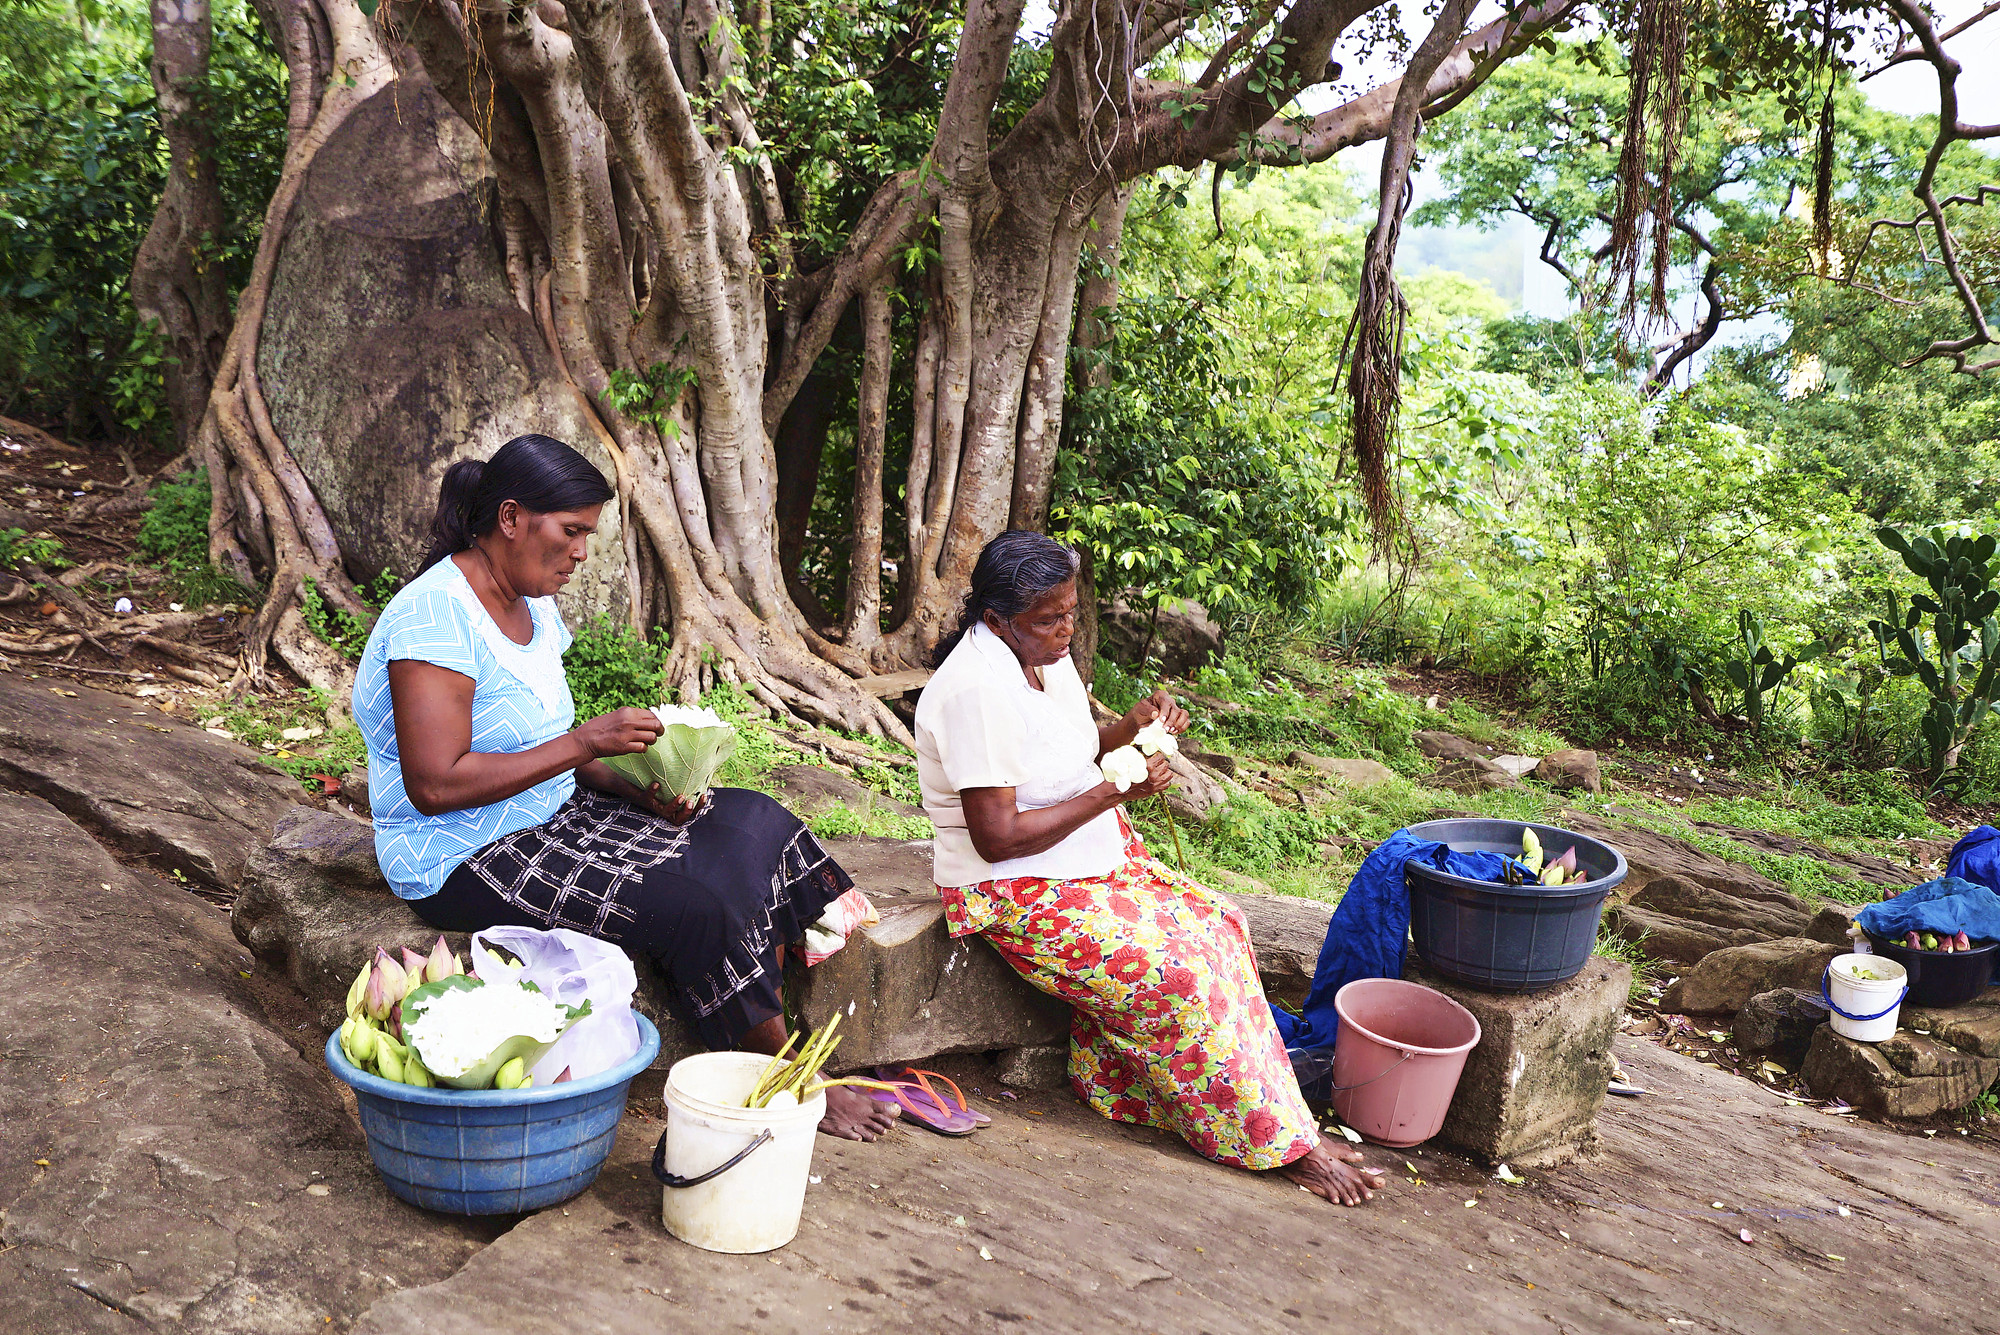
{"x":649,"y":1048}
{"x":1504,"y":836}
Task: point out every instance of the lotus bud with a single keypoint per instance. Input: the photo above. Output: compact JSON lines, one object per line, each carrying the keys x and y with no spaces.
{"x":1962,"y":941}
{"x":389,"y":1061}
{"x":458,"y":966}
{"x":415,"y":1073}
{"x":361,"y":1043}
{"x":396,"y":1021}
{"x":385,"y":985}
{"x":439,"y":967}
{"x":1910,"y":940}
{"x":512,"y":1074}
{"x":1568,"y":863}
{"x":357,"y":991}
{"x":413,"y":971}
{"x":346,"y":1039}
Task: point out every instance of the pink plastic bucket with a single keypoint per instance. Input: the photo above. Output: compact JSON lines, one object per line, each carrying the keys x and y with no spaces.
{"x":1397,"y":1060}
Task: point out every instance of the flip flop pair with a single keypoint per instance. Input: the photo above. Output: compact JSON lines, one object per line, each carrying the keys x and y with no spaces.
{"x":918,"y":1102}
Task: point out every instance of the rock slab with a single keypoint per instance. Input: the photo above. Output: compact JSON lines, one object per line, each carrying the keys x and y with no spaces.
{"x":1725,"y":980}
{"x":1570,"y":771}
{"x":1864,"y":1075}
{"x":1353,"y":773}
{"x":1473,"y":774}
{"x":1743,"y":907}
{"x":146,"y":783}
{"x":1534,"y":1083}
{"x":176,"y":1155}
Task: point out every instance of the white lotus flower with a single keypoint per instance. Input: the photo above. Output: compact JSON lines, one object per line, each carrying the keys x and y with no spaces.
{"x":703,"y":717}
{"x":1123,"y":768}
{"x":1154,"y":738}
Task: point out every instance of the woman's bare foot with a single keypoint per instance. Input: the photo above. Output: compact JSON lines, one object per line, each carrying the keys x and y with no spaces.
{"x":1326,"y":1173}
{"x":852,"y":1115}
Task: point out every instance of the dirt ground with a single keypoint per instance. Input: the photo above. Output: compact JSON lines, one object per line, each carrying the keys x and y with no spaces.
{"x":1091,"y":1227}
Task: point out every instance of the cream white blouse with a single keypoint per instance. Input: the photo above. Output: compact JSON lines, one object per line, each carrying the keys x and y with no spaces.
{"x":980,"y":725}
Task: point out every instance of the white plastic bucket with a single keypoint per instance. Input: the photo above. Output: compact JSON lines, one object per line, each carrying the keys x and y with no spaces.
{"x":1864,"y":1008}
{"x":753,"y":1205}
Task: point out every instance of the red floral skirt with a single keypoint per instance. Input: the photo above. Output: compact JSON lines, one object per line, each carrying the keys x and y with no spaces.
{"x":1171,"y":1028}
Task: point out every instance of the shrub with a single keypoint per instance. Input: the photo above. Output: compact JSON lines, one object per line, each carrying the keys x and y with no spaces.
{"x":610,"y":665}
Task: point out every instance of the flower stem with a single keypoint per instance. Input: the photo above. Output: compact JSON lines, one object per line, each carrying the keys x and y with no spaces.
{"x":1180,"y":863}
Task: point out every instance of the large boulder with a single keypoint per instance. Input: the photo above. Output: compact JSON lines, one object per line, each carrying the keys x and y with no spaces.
{"x":1650,"y":855}
{"x":1744,"y":906}
{"x":1182,"y":638}
{"x":1779,"y":1024}
{"x":1473,"y":774}
{"x":394,"y":343}
{"x":1533,"y":1084}
{"x":1448,"y":745}
{"x":1725,"y":980}
{"x":1974,"y":1027}
{"x":1906,"y":1077}
{"x":152,"y":786}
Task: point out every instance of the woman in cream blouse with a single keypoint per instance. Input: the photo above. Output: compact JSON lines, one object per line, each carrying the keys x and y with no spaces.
{"x":1171,"y":1028}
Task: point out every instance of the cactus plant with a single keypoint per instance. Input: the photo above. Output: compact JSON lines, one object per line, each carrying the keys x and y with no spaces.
{"x":1957,"y":655}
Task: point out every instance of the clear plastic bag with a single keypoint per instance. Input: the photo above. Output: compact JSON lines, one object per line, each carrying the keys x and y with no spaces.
{"x":571,"y":968}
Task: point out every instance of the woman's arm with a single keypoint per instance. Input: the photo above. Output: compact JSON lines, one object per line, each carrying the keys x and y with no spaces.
{"x":441,"y":771}
{"x":1001,"y":831}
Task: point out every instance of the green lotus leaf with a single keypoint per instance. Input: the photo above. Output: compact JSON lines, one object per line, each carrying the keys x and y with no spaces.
{"x":683,"y":760}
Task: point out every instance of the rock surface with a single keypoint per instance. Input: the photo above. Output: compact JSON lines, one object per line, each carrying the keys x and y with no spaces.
{"x":1830,"y":924}
{"x":811,"y":789}
{"x":1744,"y":907}
{"x":1518,"y":766}
{"x":1849,"y":866}
{"x":1649,"y":856}
{"x":126,"y":773}
{"x":1724,"y":981}
{"x":1448,"y":746}
{"x":1865,"y":1076}
{"x":1664,"y":937}
{"x":1779,"y":1024}
{"x":1353,"y":773}
{"x":1533,"y":1085}
{"x":1974,"y":1027}
{"x":175,"y":1155}
{"x":1093,"y":1226}
{"x":1571,"y":771}
{"x":1287,"y":933}
{"x":1473,"y":774}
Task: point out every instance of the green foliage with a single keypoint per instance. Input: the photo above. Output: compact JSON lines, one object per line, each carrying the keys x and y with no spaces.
{"x":1957,"y":655}
{"x":17,"y":546}
{"x":337,"y":627}
{"x":173,"y":534}
{"x":81,"y":168}
{"x":610,"y":666}
{"x":1759,"y":672}
{"x":260,"y":722}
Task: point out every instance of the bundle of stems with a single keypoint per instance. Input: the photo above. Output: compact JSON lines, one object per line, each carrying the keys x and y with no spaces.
{"x":1167,"y":811}
{"x":799,"y":1076}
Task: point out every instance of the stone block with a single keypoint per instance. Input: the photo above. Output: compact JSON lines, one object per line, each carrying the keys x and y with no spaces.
{"x":1920,"y":1054}
{"x":1534,"y":1082}
{"x":1725,"y":980}
{"x":1447,"y":746}
{"x":1830,"y":924}
{"x":1975,"y":1027}
{"x":1571,"y":770}
{"x":1863,"y":1075}
{"x":1287,"y":933}
{"x":1518,"y":766}
{"x":907,"y":990}
{"x":1779,"y":1024}
{"x":1034,"y":1068}
{"x":1664,"y":937}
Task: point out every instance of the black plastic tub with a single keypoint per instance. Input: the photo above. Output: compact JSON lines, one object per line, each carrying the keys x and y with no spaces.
{"x":1941,"y":977}
{"x":1508,"y":938}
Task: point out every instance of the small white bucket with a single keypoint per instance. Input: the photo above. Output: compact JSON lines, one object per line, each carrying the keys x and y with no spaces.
{"x":1864,"y":992}
{"x":735,"y":1176}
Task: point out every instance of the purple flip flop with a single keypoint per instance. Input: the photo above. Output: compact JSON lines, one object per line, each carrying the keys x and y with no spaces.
{"x":920,"y":1103}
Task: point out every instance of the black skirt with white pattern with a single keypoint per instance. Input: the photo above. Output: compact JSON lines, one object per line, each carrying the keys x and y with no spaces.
{"x":710,"y":902}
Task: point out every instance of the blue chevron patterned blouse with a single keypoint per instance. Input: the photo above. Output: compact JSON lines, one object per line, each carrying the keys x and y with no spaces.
{"x":520,"y":699}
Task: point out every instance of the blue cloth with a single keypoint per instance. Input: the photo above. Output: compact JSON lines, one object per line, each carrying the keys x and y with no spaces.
{"x":1945,"y":905}
{"x":520,"y":699}
{"x":1370,"y":931}
{"x":1976,"y":857}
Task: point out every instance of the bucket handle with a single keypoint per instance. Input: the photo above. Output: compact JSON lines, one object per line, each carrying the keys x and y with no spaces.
{"x":675,"y":1180}
{"x":1858,"y":1019}
{"x":1373,"y":1078}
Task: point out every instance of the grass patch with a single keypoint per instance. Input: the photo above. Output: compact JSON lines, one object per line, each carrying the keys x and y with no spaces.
{"x":260,"y":722}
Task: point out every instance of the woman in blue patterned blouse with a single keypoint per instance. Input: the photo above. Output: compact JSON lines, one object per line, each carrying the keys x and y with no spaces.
{"x":492,"y":805}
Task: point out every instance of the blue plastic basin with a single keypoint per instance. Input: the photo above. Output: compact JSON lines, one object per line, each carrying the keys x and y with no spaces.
{"x":492,"y":1151}
{"x":1508,"y":938}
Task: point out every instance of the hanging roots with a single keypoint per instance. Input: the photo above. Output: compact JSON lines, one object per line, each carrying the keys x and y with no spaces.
{"x":1656,"y":121}
{"x":1374,"y":379}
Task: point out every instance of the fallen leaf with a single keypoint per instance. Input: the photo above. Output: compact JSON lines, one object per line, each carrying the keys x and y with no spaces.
{"x":1353,"y":1136}
{"x":1831,"y":1257}
{"x":1746,"y":1235}
{"x":985,"y":1255}
{"x":41,"y":1163}
{"x":1470,"y":1204}
{"x":1506,"y":1174}
{"x":1773,"y":1068}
